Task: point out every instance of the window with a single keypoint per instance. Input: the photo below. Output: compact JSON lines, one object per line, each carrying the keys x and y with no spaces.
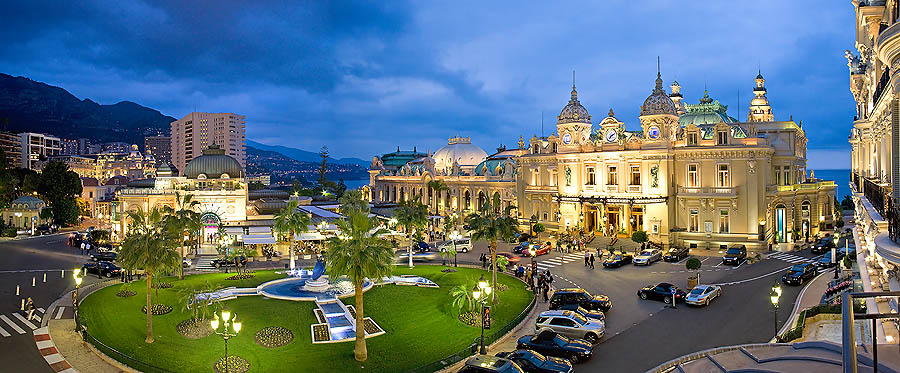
{"x":694,"y":221}
{"x":722,"y":138}
{"x":692,"y":139}
{"x":777,"y":177}
{"x":787,"y":175}
{"x":555,"y":147}
{"x":635,"y":175}
{"x":723,"y":221}
{"x":591,"y":176}
{"x":535,"y":149}
{"x":552,"y":178}
{"x":693,"y":176}
{"x":535,"y":177}
{"x":722,"y":176}
{"x":612,"y":176}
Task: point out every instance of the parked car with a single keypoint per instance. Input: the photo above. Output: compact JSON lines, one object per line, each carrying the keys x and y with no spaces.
{"x":570,"y":324}
{"x":676,"y":254}
{"x":663,"y":292}
{"x":534,"y":362}
{"x":44,"y":229}
{"x":104,"y":256}
{"x":849,"y":250}
{"x":580,"y":297}
{"x":617,"y":259}
{"x":489,"y":364}
{"x":106,"y":269}
{"x":647,"y":257}
{"x":735,"y":255}
{"x":825,"y":261}
{"x":228,"y":262}
{"x":538,"y":249}
{"x":823,"y":245}
{"x":799,"y":273}
{"x":186,"y":262}
{"x":591,"y":314}
{"x":701,"y":295}
{"x":463,"y":245}
{"x":552,"y":344}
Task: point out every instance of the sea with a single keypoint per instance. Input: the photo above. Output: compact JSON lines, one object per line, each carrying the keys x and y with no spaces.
{"x":841,"y":180}
{"x":355,"y":184}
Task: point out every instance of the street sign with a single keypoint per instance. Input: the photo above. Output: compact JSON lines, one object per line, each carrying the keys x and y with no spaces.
{"x":487,"y":317}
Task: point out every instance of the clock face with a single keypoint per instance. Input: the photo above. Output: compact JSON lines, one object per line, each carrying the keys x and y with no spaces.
{"x":653,"y":132}
{"x":567,"y":139}
{"x":611,"y":136}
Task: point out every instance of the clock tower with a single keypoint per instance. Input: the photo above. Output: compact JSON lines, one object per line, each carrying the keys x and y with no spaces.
{"x":659,"y":116}
{"x":573,"y":125}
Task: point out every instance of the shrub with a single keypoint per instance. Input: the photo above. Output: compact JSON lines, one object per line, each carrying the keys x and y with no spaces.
{"x":9,"y":232}
{"x":538,"y":228}
{"x":693,"y":264}
{"x":639,"y":237}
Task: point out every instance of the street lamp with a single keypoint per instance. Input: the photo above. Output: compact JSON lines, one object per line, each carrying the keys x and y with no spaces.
{"x":774,"y":296}
{"x":76,"y":274}
{"x":226,"y":319}
{"x":480,"y":293}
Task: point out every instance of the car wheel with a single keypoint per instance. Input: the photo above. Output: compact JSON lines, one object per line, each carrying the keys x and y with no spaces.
{"x":643,"y":296}
{"x":667,"y":300}
{"x":706,"y":303}
{"x":109,"y":275}
{"x":591,"y":338}
{"x":573,"y":359}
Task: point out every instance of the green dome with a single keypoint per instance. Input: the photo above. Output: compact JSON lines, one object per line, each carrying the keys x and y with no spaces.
{"x":706,"y":112}
{"x":213,"y":164}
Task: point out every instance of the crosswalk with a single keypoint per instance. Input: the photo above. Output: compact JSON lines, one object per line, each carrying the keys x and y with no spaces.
{"x":204,"y":262}
{"x":18,"y":322}
{"x":559,"y":260}
{"x":793,"y":258}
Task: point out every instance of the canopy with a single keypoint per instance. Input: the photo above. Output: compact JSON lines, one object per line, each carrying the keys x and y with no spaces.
{"x":258,"y":239}
{"x":264,"y":229}
{"x":234,"y":230}
{"x":309,"y":236}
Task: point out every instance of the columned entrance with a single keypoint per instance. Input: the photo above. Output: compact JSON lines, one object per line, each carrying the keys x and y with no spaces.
{"x":613,"y":220}
{"x":210,"y":223}
{"x":780,"y":224}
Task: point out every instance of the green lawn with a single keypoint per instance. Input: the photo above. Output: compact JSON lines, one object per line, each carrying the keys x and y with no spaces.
{"x":420,"y":325}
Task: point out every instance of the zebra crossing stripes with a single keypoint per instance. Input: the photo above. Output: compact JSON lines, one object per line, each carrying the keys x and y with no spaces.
{"x":18,"y":322}
{"x":559,"y":260}
{"x":12,"y":325}
{"x":792,"y":258}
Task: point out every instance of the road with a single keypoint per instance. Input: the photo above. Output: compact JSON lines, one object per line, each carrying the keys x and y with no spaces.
{"x":24,"y":260}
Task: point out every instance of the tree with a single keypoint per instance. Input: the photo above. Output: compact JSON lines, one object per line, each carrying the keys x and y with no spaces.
{"x":639,"y":237}
{"x":65,"y":211}
{"x":323,"y":167}
{"x":847,"y":203}
{"x":148,"y":246}
{"x":340,"y":188}
{"x":84,"y":208}
{"x":183,"y":220}
{"x":538,"y":229}
{"x":693,"y":264}
{"x":59,"y":186}
{"x":462,"y":299}
{"x":359,"y":254}
{"x":291,"y":221}
{"x":255,"y":185}
{"x":411,"y":214}
{"x":490,"y":226}
{"x":437,"y":189}
{"x":353,"y":201}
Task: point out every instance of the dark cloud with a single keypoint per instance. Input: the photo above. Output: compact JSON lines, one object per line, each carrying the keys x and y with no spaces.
{"x":365,"y":77}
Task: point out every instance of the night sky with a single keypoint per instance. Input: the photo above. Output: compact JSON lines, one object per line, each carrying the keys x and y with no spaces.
{"x":366,"y":77}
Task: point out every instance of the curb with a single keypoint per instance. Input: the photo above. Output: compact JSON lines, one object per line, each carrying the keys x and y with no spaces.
{"x":48,"y":350}
{"x":791,"y":321}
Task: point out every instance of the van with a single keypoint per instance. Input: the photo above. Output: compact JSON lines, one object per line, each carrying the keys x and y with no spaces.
{"x":463,"y":245}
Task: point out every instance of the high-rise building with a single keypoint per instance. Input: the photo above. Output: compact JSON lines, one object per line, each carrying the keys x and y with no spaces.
{"x":12,"y":149}
{"x":36,"y":148}
{"x":69,"y":147}
{"x":195,"y":132}
{"x":160,"y":147}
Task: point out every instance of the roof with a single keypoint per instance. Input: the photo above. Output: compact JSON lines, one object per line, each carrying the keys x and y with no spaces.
{"x":658,"y":102}
{"x":213,"y":164}
{"x":27,"y":202}
{"x":706,"y":112}
{"x":573,"y":112}
{"x":399,"y":158}
{"x":459,"y":150}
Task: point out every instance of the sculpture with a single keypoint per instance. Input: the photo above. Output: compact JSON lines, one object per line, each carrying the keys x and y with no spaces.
{"x":568,"y":176}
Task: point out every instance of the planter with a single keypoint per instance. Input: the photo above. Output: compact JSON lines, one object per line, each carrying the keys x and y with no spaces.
{"x":692,"y":282}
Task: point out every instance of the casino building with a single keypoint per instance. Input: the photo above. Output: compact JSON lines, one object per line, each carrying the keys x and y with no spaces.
{"x":691,"y":176}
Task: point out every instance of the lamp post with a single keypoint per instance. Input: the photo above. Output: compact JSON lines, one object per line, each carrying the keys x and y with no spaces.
{"x":228,"y":321}
{"x":480,"y":293}
{"x":76,"y":274}
{"x":774,"y":296}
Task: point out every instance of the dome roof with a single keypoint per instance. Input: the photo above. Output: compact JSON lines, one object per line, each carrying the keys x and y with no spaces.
{"x":459,"y":150}
{"x":166,"y":170}
{"x":27,"y":202}
{"x":706,"y":112}
{"x":213,"y":164}
{"x":573,"y":112}
{"x":658,"y":102}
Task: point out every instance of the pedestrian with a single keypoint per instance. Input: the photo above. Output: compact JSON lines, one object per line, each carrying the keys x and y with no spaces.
{"x":587,"y":258}
{"x":29,"y":307}
{"x":546,"y":291}
{"x":483,"y":261}
{"x":82,"y":248}
{"x":592,"y":261}
{"x":87,"y":248}
{"x":598,"y":253}
{"x":549,"y":278}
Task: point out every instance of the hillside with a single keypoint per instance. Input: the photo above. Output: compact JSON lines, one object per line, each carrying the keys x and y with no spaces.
{"x":305,"y":156}
{"x":283,"y":168}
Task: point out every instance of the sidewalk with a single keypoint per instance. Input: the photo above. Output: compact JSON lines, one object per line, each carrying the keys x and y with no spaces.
{"x":809,"y":297}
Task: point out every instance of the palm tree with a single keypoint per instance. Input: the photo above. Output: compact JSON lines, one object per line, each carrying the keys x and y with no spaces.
{"x":290,"y":221}
{"x":411,"y":214}
{"x":438,"y":187}
{"x":359,"y":254}
{"x":491,"y":226}
{"x":461,"y":296}
{"x":182,"y":220}
{"x":149,"y":245}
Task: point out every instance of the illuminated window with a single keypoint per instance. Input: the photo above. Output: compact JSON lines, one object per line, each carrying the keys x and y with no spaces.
{"x":694,"y":221}
{"x":722,"y":179}
{"x":723,"y":221}
{"x":591,"y":176}
{"x":635,"y":175}
{"x":693,"y":176}
{"x":692,"y":138}
{"x":612,"y":176}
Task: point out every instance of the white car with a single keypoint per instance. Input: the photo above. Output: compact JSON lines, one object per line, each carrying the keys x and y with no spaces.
{"x":570,"y":324}
{"x":186,"y":262}
{"x":647,"y":257}
{"x":701,"y":295}
{"x":463,"y":245}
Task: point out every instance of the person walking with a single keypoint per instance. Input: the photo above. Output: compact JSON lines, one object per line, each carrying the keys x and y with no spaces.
{"x":483,"y":259}
{"x":592,"y":261}
{"x":546,"y":292}
{"x":549,"y":278}
{"x":598,"y":253}
{"x":82,"y":248}
{"x":587,"y":258}
{"x":29,"y":307}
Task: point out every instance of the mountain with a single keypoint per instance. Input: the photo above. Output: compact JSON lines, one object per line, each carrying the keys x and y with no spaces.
{"x":305,"y":156}
{"x":284,"y":168}
{"x":38,"y":107}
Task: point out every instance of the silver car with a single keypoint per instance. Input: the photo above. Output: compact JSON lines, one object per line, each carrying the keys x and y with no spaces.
{"x":701,"y":295}
{"x":647,"y":257}
{"x":570,"y":324}
{"x":462,"y":245}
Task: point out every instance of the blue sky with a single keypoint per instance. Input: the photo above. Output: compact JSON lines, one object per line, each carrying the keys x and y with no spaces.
{"x":366,"y":77}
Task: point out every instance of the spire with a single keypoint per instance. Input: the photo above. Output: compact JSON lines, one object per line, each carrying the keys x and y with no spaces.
{"x":659,"y":82}
{"x":611,"y":114}
{"x":574,"y":92}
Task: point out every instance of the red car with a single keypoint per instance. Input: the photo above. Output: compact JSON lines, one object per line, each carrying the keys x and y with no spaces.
{"x":512,"y":258}
{"x":539,"y":249}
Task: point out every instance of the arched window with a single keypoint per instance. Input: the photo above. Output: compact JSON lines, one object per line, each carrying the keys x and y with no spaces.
{"x":467,"y":201}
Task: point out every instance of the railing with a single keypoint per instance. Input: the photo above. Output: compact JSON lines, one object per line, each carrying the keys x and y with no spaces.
{"x":848,"y":327}
{"x":877,"y":195}
{"x":882,"y":83}
{"x":121,"y":357}
{"x":854,"y":178}
{"x":472,"y":348}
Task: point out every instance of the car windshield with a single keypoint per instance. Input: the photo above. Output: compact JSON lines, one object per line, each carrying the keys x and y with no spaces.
{"x":537,"y":356}
{"x":734,"y":251}
{"x":796,"y":269}
{"x":697,"y":291}
{"x":580,"y":319}
{"x":647,"y":252}
{"x":618,"y":257}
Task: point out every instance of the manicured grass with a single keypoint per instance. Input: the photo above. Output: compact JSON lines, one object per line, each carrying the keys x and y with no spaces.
{"x":420,"y":325}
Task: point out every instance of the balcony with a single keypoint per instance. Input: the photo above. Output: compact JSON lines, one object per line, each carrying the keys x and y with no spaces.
{"x":612,"y":188}
{"x":804,"y":186}
{"x":634,"y":189}
{"x":888,"y":44}
{"x":708,"y":192}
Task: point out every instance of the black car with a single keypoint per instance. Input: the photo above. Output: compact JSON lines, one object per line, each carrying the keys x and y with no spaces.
{"x":489,"y":364}
{"x":825,"y":261}
{"x":849,"y":250}
{"x":552,"y":344}
{"x":579,"y":297}
{"x":591,"y":314}
{"x":663,"y":292}
{"x":104,"y":256}
{"x":799,"y":273}
{"x":735,"y":255}
{"x":102,"y":268}
{"x":617,"y":260}
{"x":823,"y":246}
{"x":228,"y":262}
{"x":44,"y":229}
{"x":534,"y":362}
{"x":676,"y":254}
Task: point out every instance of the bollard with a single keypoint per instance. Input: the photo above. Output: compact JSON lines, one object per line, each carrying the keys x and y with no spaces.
{"x":32,"y":281}
{"x":45,"y":276}
{"x":17,"y":289}
{"x":62,"y":273}
{"x":23,"y":305}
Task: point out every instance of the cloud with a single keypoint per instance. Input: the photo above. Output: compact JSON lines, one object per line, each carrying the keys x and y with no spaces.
{"x":366,"y":77}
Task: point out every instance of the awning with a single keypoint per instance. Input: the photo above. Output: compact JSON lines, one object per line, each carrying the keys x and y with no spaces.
{"x":309,"y":236}
{"x":258,"y":239}
{"x":267,"y":230}
{"x":315,"y":211}
{"x":234,"y":230}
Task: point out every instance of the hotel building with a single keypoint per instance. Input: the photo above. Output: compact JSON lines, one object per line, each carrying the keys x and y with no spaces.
{"x":195,"y":132}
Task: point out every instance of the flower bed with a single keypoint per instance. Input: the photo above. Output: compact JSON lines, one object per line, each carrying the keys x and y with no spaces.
{"x":321,"y":333}
{"x":158,"y":309}
{"x":162,"y":285}
{"x":125,"y":293}
{"x":470,"y":319}
{"x":191,"y":329}
{"x":274,"y":336}
{"x":371,"y":327}
{"x":243,"y":276}
{"x":236,"y":364}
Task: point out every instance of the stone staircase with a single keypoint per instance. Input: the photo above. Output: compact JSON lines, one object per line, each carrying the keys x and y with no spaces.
{"x":204,"y":262}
